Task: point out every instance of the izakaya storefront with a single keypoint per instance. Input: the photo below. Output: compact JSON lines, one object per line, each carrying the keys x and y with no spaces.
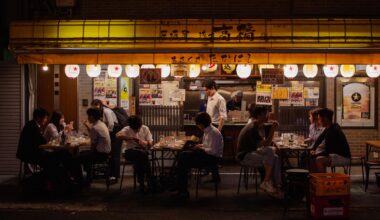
{"x":331,"y":59}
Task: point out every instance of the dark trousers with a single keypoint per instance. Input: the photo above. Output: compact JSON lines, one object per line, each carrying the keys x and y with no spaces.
{"x":195,"y":159}
{"x":140,"y":160}
{"x":55,"y":164}
{"x":115,"y":155}
{"x":87,"y":158}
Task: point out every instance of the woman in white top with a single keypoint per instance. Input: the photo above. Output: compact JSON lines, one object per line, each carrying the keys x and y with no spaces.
{"x":315,"y":130}
{"x":56,"y":126}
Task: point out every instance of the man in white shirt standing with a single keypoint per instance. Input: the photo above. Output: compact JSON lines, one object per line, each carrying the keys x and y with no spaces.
{"x":207,"y":154}
{"x":137,"y":140}
{"x":216,"y":104}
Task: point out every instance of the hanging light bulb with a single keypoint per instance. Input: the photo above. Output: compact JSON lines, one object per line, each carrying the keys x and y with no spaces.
{"x":310,"y":71}
{"x":244,"y":70}
{"x":373,"y":71}
{"x":194,"y":70}
{"x":72,"y":70}
{"x":132,"y":71}
{"x":265,"y":66}
{"x":148,"y":66}
{"x":165,"y":70}
{"x":290,"y":71}
{"x":93,"y":70}
{"x":45,"y":67}
{"x":347,"y":70}
{"x":114,"y":70}
{"x":331,"y":70}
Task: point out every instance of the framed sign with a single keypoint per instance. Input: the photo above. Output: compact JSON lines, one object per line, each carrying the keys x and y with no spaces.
{"x":150,"y":76}
{"x":272,"y":76}
{"x":356,"y":101}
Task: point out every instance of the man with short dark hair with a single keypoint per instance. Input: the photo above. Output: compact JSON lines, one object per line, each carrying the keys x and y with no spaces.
{"x":100,"y":144}
{"x":336,"y":149}
{"x":137,"y":140}
{"x":207,"y":154}
{"x":254,"y":148}
{"x":29,"y":150}
{"x":216,"y":104}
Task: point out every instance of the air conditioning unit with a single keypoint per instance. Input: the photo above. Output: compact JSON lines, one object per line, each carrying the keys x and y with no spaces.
{"x":65,"y":3}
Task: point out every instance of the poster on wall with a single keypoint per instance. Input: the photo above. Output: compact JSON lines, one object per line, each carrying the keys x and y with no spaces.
{"x":150,"y":97}
{"x":124,"y":92}
{"x":263,"y":94}
{"x":167,"y":87}
{"x":177,"y":95}
{"x":280,"y":93}
{"x":356,"y":101}
{"x":296,"y":95}
{"x":105,"y":88}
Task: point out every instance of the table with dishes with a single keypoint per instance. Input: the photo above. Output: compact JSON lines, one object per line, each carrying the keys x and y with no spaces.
{"x":72,"y":144}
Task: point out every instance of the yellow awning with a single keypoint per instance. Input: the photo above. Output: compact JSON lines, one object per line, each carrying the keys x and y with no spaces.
{"x":197,"y":41}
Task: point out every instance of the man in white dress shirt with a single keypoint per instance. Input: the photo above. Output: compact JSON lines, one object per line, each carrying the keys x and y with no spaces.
{"x":216,"y":105}
{"x":207,"y":154}
{"x":137,"y":140}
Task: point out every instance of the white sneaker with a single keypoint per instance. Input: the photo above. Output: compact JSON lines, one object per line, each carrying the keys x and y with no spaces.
{"x":267,"y":186}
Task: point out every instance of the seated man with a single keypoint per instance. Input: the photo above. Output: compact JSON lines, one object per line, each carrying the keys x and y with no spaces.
{"x":28,"y":149}
{"x":254,"y":148}
{"x":207,"y":154}
{"x":100,"y":143}
{"x":333,"y":141}
{"x":137,"y":139}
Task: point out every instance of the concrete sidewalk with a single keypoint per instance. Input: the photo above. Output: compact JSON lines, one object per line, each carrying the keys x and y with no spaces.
{"x":99,"y":202}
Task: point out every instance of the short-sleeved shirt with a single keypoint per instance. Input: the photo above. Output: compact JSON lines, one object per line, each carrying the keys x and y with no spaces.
{"x":248,"y":140}
{"x":143,"y":134}
{"x":51,"y":131}
{"x":100,"y":137}
{"x":216,"y":107}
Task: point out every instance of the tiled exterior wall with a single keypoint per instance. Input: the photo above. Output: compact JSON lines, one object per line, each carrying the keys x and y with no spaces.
{"x":84,"y":92}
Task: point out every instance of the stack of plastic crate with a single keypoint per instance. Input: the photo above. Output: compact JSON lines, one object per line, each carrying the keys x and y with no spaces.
{"x":329,"y":195}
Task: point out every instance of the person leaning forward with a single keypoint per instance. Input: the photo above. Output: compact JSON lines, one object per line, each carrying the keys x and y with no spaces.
{"x":204,"y":155}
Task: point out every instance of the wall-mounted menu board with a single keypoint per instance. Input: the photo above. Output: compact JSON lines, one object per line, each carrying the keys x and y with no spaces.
{"x":272,"y":76}
{"x":105,"y":88}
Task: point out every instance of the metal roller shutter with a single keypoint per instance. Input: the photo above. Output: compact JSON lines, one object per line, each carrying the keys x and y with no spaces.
{"x":10,"y":116}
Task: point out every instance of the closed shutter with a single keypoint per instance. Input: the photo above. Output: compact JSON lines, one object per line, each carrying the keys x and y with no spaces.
{"x":10,"y":116}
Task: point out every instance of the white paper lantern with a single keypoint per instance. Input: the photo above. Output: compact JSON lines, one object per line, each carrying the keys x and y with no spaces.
{"x":114,"y":70}
{"x":373,"y":71}
{"x":132,"y":71}
{"x":290,"y":71}
{"x":244,"y":70}
{"x":148,"y":66}
{"x":331,"y":70}
{"x":265,"y":66}
{"x":347,"y":70}
{"x":165,"y":70}
{"x":72,"y":70}
{"x":310,"y":71}
{"x":45,"y":67}
{"x":194,"y":70}
{"x":93,"y":70}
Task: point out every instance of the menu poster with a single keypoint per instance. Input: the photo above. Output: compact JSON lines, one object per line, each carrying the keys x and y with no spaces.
{"x":150,"y":97}
{"x":177,"y":95}
{"x":150,"y":76}
{"x":272,"y":76}
{"x":311,"y":92}
{"x":311,"y":102}
{"x":280,"y":93}
{"x":105,"y":88}
{"x":167,"y":88}
{"x":296,"y":95}
{"x":263,"y":98}
{"x":124,"y":92}
{"x":261,"y":87}
{"x":356,"y":101}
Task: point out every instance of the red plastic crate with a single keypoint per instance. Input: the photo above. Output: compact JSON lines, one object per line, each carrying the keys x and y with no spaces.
{"x":322,"y":207}
{"x":330,"y":184}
